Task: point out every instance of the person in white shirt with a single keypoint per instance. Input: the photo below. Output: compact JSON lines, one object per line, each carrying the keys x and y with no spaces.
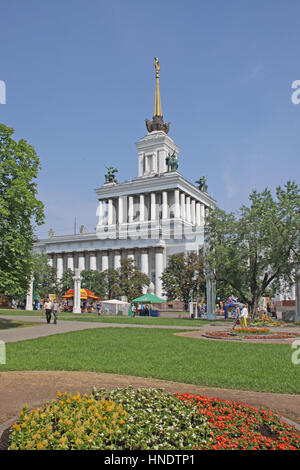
{"x":244,"y":316}
{"x":48,"y":309}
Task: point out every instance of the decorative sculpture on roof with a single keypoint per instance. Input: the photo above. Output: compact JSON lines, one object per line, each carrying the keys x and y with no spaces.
{"x":202,"y":185}
{"x":172,"y":162}
{"x":110,"y":175}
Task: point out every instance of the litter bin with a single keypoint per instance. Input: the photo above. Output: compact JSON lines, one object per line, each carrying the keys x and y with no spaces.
{"x":154,"y":313}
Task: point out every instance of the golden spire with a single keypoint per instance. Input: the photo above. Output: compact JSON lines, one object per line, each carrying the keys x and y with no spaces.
{"x":157,"y":103}
{"x":157,"y":123}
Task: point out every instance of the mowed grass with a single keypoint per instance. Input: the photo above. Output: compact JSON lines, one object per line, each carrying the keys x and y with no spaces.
{"x":160,"y":354}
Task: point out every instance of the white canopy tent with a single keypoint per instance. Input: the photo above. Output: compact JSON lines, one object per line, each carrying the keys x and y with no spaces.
{"x":115,"y":306}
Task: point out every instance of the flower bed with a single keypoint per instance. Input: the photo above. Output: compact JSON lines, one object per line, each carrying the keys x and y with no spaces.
{"x":126,"y":419}
{"x":249,"y":330}
{"x":250,"y":333}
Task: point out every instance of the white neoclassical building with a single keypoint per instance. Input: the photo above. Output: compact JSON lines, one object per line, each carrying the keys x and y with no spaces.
{"x":157,"y":214}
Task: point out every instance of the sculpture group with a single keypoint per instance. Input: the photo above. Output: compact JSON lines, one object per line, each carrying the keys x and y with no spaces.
{"x":172,"y":162}
{"x":110,"y":175}
{"x":202,"y":185}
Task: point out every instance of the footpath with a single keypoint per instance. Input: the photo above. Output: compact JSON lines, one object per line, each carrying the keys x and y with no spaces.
{"x":36,"y":387}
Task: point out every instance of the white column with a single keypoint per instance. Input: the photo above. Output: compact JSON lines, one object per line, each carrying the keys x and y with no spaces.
{"x":50,"y":260}
{"x":117,"y":259}
{"x":182,"y":206}
{"x":176,"y":204}
{"x":59,"y":266}
{"x":188,"y":209}
{"x":193,"y":212}
{"x":164,"y":205}
{"x":29,"y":296}
{"x":144,"y":261}
{"x":70,"y":261}
{"x":153,"y":206}
{"x":198,"y":214}
{"x":142,"y":207}
{"x":104,"y":260}
{"x":110,"y":212}
{"x":130,"y":254}
{"x":81,"y":261}
{"x":158,"y":270}
{"x":100,"y":213}
{"x":130,"y":209}
{"x":77,"y":287}
{"x":93,"y":261}
{"x":202,"y":212}
{"x":120,"y":210}
{"x":145,"y":265}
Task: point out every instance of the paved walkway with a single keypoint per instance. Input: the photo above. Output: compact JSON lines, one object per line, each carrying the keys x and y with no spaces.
{"x":12,"y":335}
{"x":36,"y":387}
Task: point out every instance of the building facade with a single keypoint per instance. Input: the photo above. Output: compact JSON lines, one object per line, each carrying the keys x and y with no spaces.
{"x":157,"y":214}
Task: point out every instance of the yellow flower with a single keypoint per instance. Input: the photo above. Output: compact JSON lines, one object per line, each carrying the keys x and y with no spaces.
{"x":39,"y":445}
{"x":23,"y":425}
{"x":68,"y":400}
{"x":59,"y":394}
{"x":121,"y":421}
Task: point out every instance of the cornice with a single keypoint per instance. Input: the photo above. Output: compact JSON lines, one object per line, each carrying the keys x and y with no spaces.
{"x":155,"y":183}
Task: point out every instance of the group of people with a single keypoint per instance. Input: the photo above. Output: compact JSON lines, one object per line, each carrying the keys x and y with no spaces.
{"x":49,"y":308}
{"x":240,"y":316}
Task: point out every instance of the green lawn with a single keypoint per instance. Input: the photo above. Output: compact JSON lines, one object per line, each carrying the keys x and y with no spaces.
{"x":160,"y":354}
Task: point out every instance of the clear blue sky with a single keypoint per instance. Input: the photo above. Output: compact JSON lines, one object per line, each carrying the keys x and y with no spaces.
{"x":80,"y":82}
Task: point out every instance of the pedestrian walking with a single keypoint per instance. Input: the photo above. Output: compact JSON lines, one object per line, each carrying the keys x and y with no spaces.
{"x":244,"y":316}
{"x":55,"y":308}
{"x":236,"y":314}
{"x":48,"y":310}
{"x":133,"y":310}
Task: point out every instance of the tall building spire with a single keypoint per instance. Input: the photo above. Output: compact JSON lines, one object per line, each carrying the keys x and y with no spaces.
{"x":157,"y":123}
{"x":157,"y":103}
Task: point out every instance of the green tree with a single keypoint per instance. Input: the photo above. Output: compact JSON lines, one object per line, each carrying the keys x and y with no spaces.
{"x":66,"y":282}
{"x":183,"y":278}
{"x":44,"y":277}
{"x":111,"y":284}
{"x":256,"y":251}
{"x":20,"y":210}
{"x":131,"y":280}
{"x":94,"y":281}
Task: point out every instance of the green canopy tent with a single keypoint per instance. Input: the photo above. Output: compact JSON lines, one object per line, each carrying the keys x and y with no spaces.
{"x":146,"y":299}
{"x":149,"y":299}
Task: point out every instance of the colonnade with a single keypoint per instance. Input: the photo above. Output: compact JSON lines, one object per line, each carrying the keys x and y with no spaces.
{"x":151,"y":206}
{"x":102,"y":260}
